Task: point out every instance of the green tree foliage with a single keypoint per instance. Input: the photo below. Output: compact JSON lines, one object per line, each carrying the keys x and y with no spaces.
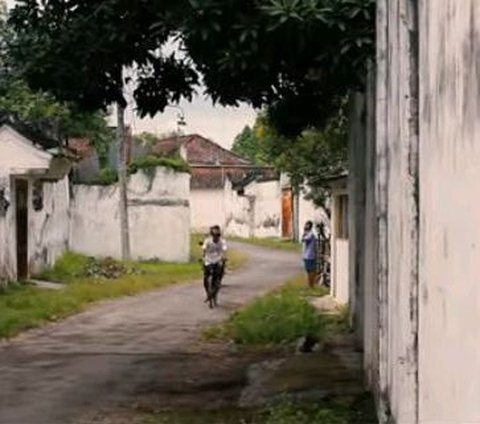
{"x":297,"y":56}
{"x":247,"y":144}
{"x":78,"y":51}
{"x":40,"y":109}
{"x":309,"y":159}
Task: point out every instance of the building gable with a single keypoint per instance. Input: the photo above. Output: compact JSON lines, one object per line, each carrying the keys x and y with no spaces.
{"x":18,"y":154}
{"x":200,"y":151}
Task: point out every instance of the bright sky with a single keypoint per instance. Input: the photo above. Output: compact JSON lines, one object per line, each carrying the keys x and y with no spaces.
{"x":217,"y":123}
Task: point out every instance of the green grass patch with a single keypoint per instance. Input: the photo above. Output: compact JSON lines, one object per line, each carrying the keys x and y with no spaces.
{"x":348,"y":410}
{"x":107,"y":176}
{"x":67,"y":268}
{"x":25,"y":306}
{"x":280,"y":317}
{"x":271,"y":242}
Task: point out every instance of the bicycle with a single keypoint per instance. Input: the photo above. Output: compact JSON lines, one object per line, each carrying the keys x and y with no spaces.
{"x":212,"y":283}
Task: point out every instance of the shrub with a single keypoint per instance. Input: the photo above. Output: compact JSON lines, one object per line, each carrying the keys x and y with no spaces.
{"x":280,"y":317}
{"x":145,"y":162}
{"x":107,"y":176}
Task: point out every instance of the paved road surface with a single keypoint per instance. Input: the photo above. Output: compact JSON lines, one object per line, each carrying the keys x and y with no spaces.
{"x":59,"y":372}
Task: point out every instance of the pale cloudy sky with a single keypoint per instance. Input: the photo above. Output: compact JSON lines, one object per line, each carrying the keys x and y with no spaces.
{"x":217,"y":123}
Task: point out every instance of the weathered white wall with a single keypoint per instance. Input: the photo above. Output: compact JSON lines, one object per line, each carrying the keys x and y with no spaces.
{"x":207,"y":207}
{"x":159,"y":218}
{"x":48,"y":229}
{"x":423,"y":353}
{"x":390,"y":258}
{"x":95,"y":221}
{"x":238,"y":213}
{"x":356,"y":207}
{"x":339,"y":270}
{"x":339,"y":245}
{"x":267,"y":211}
{"x":8,"y":257}
{"x":257,"y":213}
{"x":449,"y":293}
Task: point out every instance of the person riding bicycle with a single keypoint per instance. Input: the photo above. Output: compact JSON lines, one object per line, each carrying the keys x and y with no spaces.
{"x":214,"y":255}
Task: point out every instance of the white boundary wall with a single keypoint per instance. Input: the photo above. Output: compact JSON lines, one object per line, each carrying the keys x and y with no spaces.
{"x":159,"y":217}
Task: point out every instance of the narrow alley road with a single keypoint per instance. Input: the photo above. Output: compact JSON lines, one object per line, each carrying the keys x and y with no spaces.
{"x":59,"y":372}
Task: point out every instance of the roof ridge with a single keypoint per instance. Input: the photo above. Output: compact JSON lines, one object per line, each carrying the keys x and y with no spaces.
{"x":191,"y":137}
{"x":223,"y":148}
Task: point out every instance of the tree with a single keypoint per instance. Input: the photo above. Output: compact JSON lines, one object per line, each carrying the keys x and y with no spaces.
{"x":247,"y":144}
{"x":309,"y":159}
{"x":298,"y":56}
{"x":40,"y":109}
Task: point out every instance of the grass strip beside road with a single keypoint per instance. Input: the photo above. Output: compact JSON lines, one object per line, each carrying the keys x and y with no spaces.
{"x":270,"y":242}
{"x":280,"y":317}
{"x":24,"y":306}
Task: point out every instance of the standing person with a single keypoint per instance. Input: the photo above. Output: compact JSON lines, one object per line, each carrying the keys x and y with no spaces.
{"x":214,"y":255}
{"x":309,"y":240}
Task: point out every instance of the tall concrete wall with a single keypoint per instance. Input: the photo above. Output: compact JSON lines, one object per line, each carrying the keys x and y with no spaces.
{"x":356,"y":207}
{"x":391,"y":227}
{"x":8,"y":256}
{"x":421,"y":287}
{"x":255,"y":213}
{"x":48,"y":228}
{"x":267,"y":212}
{"x":449,"y":333}
{"x":159,"y":217}
{"x":207,"y":207}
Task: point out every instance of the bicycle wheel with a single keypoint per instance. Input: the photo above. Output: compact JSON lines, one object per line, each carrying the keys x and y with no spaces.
{"x":211,"y":291}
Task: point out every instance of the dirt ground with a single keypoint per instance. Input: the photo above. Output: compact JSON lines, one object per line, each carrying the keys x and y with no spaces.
{"x":134,"y":354}
{"x":208,"y":377}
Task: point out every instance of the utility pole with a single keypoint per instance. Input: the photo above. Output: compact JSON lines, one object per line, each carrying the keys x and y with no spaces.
{"x":122,"y":182}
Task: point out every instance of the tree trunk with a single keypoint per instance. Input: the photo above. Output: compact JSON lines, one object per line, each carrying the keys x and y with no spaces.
{"x":122,"y":182}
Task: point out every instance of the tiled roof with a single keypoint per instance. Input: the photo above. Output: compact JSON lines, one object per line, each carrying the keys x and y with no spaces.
{"x":208,"y":177}
{"x":200,"y":151}
{"x":210,"y":163}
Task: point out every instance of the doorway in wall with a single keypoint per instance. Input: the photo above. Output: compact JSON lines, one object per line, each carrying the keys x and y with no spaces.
{"x":287,"y":213}
{"x":21,"y":197}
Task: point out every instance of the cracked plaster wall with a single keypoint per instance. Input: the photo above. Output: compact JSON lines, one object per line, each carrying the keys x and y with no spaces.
{"x":422,"y":302}
{"x":159,"y":217}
